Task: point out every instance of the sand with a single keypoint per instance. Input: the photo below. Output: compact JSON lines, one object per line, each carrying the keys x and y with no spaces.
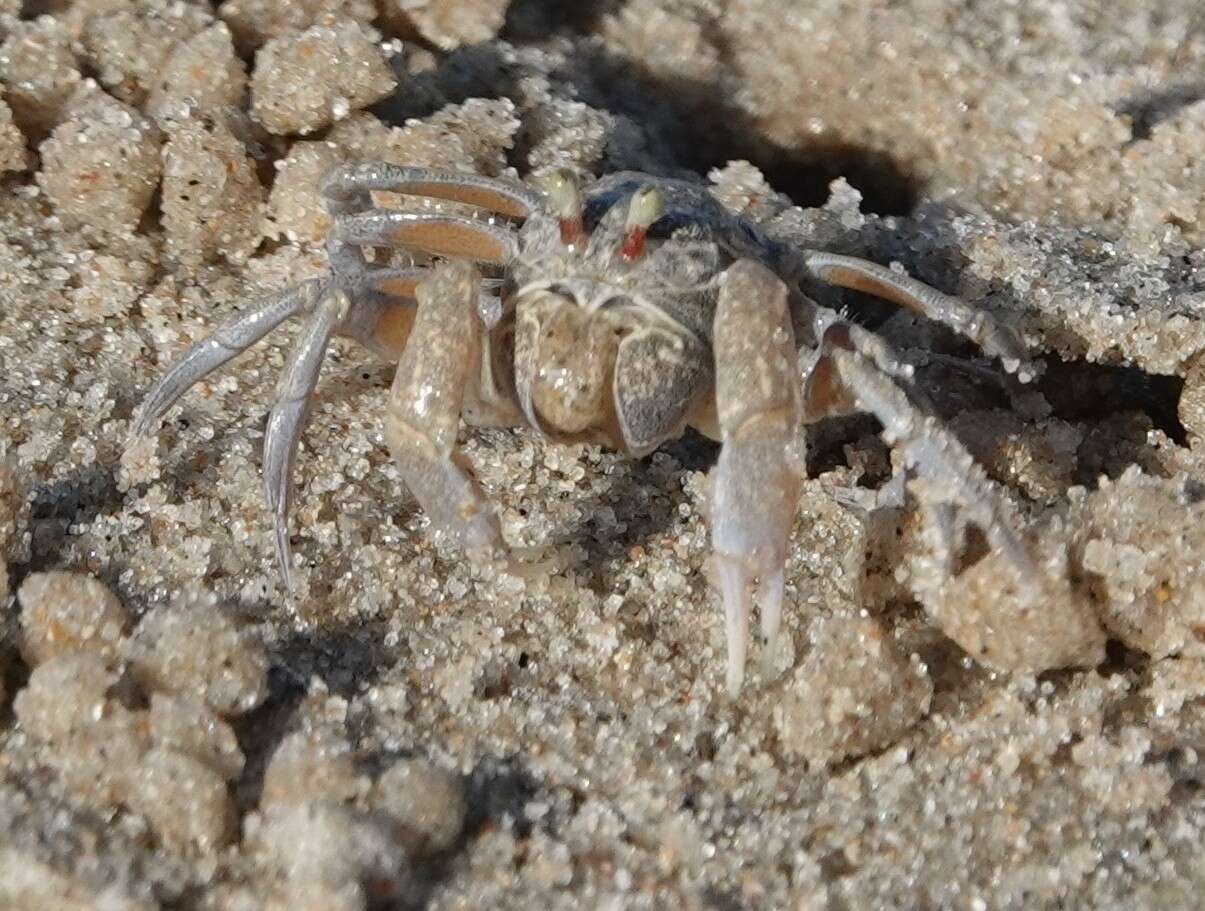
{"x":408,"y":730}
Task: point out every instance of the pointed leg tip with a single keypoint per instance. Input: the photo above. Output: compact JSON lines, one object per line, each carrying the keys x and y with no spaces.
{"x":286,"y":580}
{"x":141,"y":425}
{"x":284,"y":556}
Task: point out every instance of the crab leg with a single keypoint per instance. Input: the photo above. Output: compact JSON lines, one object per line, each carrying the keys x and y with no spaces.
{"x":443,"y":235}
{"x":347,"y":187}
{"x":755,"y":484}
{"x":854,"y":370}
{"x":977,"y":325}
{"x":375,"y":307}
{"x":288,"y":415}
{"x":425,"y":408}
{"x":382,"y":311}
{"x":225,"y":342}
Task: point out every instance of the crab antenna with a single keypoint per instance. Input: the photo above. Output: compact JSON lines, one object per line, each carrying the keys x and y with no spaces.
{"x":646,"y":207}
{"x":565,"y":198}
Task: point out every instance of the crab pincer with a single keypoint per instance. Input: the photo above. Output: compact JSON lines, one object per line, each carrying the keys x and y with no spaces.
{"x":755,"y":484}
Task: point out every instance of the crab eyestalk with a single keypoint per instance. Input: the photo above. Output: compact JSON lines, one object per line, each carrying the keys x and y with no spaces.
{"x":565,"y":200}
{"x":646,"y":207}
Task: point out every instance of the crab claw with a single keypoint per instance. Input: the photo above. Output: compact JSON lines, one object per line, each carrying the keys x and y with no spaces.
{"x":754,"y":495}
{"x":756,"y":483}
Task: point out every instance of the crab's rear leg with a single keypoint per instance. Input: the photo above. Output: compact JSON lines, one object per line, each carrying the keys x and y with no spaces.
{"x":226,"y":342}
{"x":977,"y":325}
{"x":377,"y":309}
{"x":425,"y":406}
{"x":288,"y":415}
{"x":373,"y":306}
{"x":755,"y":484}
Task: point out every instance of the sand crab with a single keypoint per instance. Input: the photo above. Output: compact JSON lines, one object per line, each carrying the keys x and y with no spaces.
{"x":620,"y":314}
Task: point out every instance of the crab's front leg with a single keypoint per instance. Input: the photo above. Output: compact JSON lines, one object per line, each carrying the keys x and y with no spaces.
{"x":756,"y":483}
{"x":425,"y":407}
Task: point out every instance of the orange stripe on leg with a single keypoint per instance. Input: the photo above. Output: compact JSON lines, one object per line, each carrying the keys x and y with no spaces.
{"x":844,"y":277}
{"x":398,"y":286}
{"x":823,"y":393}
{"x":393,"y":328}
{"x":450,"y":238}
{"x":483,"y":197}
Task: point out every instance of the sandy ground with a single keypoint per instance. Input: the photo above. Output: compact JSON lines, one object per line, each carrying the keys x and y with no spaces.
{"x":410,"y":731}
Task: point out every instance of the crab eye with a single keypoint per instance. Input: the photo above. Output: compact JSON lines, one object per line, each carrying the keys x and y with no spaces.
{"x":565,"y":200}
{"x":646,"y":207}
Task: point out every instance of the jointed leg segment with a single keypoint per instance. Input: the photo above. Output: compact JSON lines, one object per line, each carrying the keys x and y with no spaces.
{"x":440,"y":235}
{"x":761,"y":406}
{"x":347,"y":188}
{"x":226,"y":342}
{"x":288,"y":414}
{"x":955,"y":489}
{"x":977,"y":325}
{"x":359,"y":306}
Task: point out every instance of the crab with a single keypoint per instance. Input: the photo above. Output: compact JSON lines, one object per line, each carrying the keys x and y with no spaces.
{"x":618,"y":313}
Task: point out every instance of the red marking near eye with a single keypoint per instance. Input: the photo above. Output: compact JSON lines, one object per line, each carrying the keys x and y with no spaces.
{"x":633,"y":243}
{"x":572,"y":230}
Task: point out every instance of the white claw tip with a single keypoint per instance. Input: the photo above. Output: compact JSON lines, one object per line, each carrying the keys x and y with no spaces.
{"x":733,"y":581}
